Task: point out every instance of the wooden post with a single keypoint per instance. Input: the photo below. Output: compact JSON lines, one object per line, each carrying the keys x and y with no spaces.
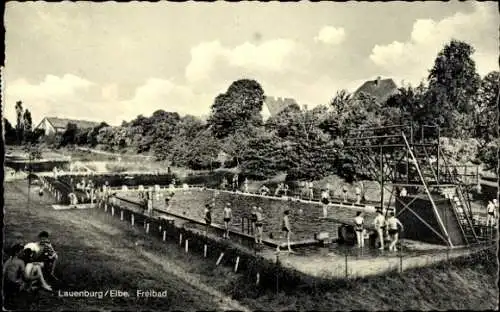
{"x":147,"y":227}
{"x":164,"y":235}
{"x":112,"y":210}
{"x":236,"y":265}
{"x":180,"y":239}
{"x":205,"y":251}
{"x":187,"y":245}
{"x":121,"y":215}
{"x":132,"y":221}
{"x":346,"y":270}
{"x":220,"y":259}
{"x":381,"y":178}
{"x":242,"y":225}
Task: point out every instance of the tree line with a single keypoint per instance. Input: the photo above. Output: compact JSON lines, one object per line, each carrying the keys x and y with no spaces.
{"x":308,"y":143}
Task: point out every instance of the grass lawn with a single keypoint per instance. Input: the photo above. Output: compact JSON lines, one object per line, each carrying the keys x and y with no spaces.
{"x":100,"y":253}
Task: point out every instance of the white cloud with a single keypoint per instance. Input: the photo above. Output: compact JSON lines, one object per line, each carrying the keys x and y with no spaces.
{"x":411,"y":59}
{"x":48,"y":97}
{"x":70,"y":97}
{"x":330,"y":35}
{"x":163,"y":94}
{"x":272,"y":56}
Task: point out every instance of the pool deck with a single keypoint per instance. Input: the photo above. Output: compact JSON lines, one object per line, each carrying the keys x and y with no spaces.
{"x":331,"y":261}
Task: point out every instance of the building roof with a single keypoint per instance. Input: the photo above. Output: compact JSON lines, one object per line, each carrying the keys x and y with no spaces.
{"x":277,"y":104}
{"x":380,"y":89}
{"x":63,"y":123}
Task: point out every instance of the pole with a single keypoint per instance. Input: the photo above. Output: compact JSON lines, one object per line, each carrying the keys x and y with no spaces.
{"x":346,"y":270}
{"x":438,"y":152}
{"x":29,"y":179}
{"x":381,"y":179}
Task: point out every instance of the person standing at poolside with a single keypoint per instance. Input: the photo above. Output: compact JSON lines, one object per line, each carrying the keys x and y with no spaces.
{"x":286,"y":229}
{"x":259,"y":225}
{"x":227,"y":219}
{"x":379,"y":224}
{"x":325,"y":200}
{"x":208,"y":217}
{"x":491,"y":210}
{"x":253,"y":220}
{"x":394,"y":225}
{"x":311,"y":190}
{"x":286,"y":188}
{"x":359,"y":224}
{"x":344,"y":193}
{"x":358,"y":194}
{"x":245,"y":185}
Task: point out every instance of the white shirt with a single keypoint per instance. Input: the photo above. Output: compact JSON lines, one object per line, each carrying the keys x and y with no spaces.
{"x":379,"y":221}
{"x":491,"y":207}
{"x":358,"y":220}
{"x":33,"y":246}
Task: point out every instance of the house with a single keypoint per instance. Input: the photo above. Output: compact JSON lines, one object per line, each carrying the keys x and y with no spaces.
{"x":275,"y":105}
{"x":380,"y":89}
{"x":52,"y":125}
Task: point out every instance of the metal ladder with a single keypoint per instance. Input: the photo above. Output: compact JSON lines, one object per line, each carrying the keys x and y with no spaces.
{"x":463,"y":219}
{"x":463,"y":211}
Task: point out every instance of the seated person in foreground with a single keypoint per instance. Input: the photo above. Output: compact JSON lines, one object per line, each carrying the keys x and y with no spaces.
{"x":21,"y":273}
{"x":44,"y":252}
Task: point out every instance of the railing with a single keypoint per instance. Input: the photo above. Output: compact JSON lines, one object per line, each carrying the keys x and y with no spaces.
{"x":465,"y":202}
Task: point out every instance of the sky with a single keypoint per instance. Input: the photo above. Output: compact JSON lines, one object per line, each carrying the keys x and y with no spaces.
{"x":113,"y":61}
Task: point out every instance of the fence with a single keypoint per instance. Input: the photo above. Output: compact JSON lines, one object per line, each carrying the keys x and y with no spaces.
{"x":275,"y":273}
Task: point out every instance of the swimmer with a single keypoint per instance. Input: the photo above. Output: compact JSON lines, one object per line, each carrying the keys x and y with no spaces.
{"x":227,"y":219}
{"x":253,"y":220}
{"x":379,"y":224}
{"x":394,"y":225}
{"x":287,"y":229}
{"x":359,"y":228}
{"x":259,"y":225}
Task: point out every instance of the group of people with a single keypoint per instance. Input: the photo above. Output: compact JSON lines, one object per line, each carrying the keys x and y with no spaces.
{"x":256,"y":219}
{"x":235,"y":184}
{"x":390,"y":227}
{"x":28,"y":267}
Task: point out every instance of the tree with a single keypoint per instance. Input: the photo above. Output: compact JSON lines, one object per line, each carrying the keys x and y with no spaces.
{"x":236,"y":145}
{"x":187,"y":130}
{"x":10,"y":134}
{"x":203,"y":152}
{"x":409,"y":101}
{"x":27,"y":126}
{"x":238,"y":108}
{"x":69,"y":135}
{"x":263,"y":157}
{"x":19,"y":124}
{"x":93,"y":133}
{"x":453,"y":83}
{"x":487,"y":108}
{"x":164,"y":130}
{"x":340,"y":102}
